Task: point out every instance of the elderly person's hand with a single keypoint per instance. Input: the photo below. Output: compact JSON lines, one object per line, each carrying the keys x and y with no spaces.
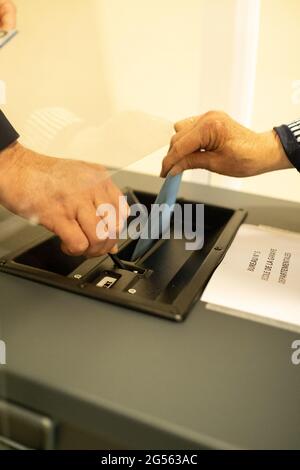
{"x":63,"y":195}
{"x":217,"y":143}
{"x":8,"y":15}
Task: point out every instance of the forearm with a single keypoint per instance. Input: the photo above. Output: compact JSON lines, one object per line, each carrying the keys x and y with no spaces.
{"x":276,"y":158}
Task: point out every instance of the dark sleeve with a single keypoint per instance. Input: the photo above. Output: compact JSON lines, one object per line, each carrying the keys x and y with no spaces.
{"x":8,"y":134}
{"x":289,"y":136}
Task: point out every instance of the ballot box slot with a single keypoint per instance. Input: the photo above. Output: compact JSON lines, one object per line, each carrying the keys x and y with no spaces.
{"x":126,"y":252}
{"x":165,"y":281}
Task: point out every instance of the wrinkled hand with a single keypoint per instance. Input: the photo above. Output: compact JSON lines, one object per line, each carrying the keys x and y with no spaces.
{"x":63,"y":195}
{"x":217,"y":143}
{"x":8,"y":15}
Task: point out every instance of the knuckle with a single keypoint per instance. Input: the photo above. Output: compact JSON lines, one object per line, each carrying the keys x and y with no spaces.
{"x":209,"y":125}
{"x":178,"y":125}
{"x":209,"y":114}
{"x":215,"y":132}
{"x":220,"y":132}
{"x":214,"y":114}
{"x":176,"y":148}
{"x":173,"y":139}
{"x":219,"y":126}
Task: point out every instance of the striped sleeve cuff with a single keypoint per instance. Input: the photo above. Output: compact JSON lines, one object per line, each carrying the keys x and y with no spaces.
{"x":295,"y":129}
{"x":289,"y":135}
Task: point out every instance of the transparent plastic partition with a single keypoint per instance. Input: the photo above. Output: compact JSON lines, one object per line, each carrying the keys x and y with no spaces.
{"x":102,"y":82}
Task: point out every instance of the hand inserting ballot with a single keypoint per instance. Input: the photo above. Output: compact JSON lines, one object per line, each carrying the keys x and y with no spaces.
{"x":215,"y":142}
{"x":63,"y":195}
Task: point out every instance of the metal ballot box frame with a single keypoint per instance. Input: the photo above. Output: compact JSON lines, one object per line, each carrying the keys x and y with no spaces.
{"x":166,"y":281}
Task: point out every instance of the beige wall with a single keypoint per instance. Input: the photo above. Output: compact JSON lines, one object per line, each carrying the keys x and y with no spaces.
{"x":96,"y":58}
{"x":278,"y":67}
{"x":56,"y":60}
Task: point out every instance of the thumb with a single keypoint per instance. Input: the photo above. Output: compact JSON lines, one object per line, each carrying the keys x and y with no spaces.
{"x":203,"y":160}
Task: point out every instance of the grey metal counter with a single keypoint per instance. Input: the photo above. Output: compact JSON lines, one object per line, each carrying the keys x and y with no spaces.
{"x":137,"y":381}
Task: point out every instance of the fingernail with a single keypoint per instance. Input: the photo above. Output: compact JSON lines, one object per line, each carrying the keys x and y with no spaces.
{"x":174,"y":171}
{"x":114,"y":250}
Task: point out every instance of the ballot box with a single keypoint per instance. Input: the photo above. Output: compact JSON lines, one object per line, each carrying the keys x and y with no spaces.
{"x":166,"y":281}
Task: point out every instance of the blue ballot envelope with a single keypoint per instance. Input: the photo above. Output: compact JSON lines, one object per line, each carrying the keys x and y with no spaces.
{"x":160,"y":215}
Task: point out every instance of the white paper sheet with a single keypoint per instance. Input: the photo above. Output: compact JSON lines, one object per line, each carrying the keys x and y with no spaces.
{"x":259,"y":277}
